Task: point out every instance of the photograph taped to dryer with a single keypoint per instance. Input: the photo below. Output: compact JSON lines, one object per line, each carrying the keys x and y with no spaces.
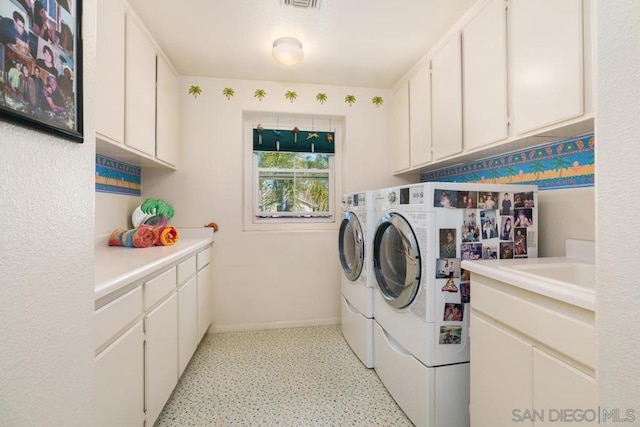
{"x":453,"y":312}
{"x":520,"y":243}
{"x":489,"y":224}
{"x":465,"y":292}
{"x":445,"y":198}
{"x":447,"y":268}
{"x":523,"y":200}
{"x":506,"y":250}
{"x":467,"y":200}
{"x":448,"y":246}
{"x":506,"y":228}
{"x":523,"y":218}
{"x":450,"y":334}
{"x":506,"y":204}
{"x":470,"y":230}
{"x":490,"y":251}
{"x":471,"y":251}
{"x":450,"y":286}
{"x":487,"y":200}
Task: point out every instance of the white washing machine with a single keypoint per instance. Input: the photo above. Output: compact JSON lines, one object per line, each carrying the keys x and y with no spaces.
{"x":354,"y":249}
{"x":421,"y":301}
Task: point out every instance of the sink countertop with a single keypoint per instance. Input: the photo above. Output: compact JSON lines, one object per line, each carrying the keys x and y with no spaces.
{"x":500,"y":270}
{"x":118,"y":266}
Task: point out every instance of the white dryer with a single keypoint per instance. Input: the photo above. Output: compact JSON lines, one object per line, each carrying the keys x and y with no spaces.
{"x":354,"y":249}
{"x":421,"y":346}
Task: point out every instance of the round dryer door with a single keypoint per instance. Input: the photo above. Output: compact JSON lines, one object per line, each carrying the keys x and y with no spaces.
{"x":351,"y":246}
{"x":396,"y":260}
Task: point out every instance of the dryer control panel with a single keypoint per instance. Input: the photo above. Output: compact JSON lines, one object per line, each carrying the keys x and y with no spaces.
{"x":412,"y":195}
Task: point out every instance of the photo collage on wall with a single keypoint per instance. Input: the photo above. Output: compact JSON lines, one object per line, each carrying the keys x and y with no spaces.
{"x":38,"y":60}
{"x":494,"y":226}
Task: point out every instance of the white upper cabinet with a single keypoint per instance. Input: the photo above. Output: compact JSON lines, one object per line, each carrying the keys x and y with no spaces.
{"x":167,"y":124}
{"x":546,"y":62}
{"x":400,"y":129}
{"x":446,"y":92}
{"x":507,"y":71}
{"x":137,"y":100}
{"x":420,"y":117}
{"x":140,"y":94}
{"x":110,"y":70}
{"x":485,"y":115}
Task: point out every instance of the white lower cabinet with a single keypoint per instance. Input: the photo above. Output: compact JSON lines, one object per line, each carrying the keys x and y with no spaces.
{"x":187,"y":322}
{"x":161,"y":356}
{"x":500,"y":378}
{"x":558,"y":385}
{"x":532,"y":358}
{"x":205,"y":292}
{"x":119,"y":381}
{"x":145,"y":338}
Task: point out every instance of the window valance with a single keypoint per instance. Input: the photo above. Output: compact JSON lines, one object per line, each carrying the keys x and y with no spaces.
{"x":293,"y":140}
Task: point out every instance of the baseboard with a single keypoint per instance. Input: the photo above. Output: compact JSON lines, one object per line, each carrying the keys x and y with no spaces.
{"x":272,"y":325}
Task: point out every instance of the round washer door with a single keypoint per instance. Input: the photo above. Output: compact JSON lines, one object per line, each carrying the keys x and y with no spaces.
{"x":396,"y":260}
{"x":351,"y":246}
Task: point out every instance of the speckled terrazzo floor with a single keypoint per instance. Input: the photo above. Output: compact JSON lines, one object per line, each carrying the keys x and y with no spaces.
{"x":279,"y":377}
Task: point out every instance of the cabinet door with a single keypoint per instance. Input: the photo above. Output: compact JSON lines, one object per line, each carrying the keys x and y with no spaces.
{"x":109,"y":85}
{"x":485,"y":77}
{"x":140,"y":94}
{"x":167,"y":121}
{"x":119,"y":387}
{"x":446,"y":92}
{"x":546,"y":57}
{"x":187,"y":323}
{"x":161,"y":358}
{"x":420,"y":117}
{"x":557,"y":385}
{"x":205,"y":295}
{"x":500,"y":375}
{"x":400,"y":129}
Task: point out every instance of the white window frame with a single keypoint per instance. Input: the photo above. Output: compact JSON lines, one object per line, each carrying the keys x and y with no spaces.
{"x":254,"y":222}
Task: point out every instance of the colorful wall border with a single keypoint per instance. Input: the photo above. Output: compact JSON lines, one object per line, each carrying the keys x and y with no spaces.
{"x":568,"y":163}
{"x":114,"y":176}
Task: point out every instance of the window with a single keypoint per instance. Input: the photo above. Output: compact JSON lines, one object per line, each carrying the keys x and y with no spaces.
{"x":293,"y":185}
{"x":291,"y":178}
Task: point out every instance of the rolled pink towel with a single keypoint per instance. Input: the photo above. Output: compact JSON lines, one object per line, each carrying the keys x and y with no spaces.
{"x":167,"y":234}
{"x":141,"y":237}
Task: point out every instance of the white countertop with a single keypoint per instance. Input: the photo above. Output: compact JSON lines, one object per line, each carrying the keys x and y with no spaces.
{"x":118,"y":266}
{"x":581,"y":296}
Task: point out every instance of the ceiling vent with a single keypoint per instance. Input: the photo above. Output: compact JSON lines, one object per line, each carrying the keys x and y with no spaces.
{"x":311,"y":4}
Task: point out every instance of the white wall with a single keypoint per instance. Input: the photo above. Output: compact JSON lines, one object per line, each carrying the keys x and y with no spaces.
{"x":266,"y":279}
{"x":47,"y":269}
{"x":114,"y":211}
{"x":565,"y":214}
{"x":617,"y":159}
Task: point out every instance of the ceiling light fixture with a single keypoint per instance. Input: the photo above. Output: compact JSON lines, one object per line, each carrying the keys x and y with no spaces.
{"x":287,"y":51}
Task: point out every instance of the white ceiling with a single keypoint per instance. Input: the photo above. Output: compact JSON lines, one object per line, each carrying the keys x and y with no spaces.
{"x":361,"y":43}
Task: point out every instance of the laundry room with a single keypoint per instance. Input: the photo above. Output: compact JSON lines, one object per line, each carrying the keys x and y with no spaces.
{"x":260,"y":174}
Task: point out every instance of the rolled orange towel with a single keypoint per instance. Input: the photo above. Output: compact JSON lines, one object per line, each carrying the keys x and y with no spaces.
{"x":167,"y":235}
{"x":141,"y":237}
